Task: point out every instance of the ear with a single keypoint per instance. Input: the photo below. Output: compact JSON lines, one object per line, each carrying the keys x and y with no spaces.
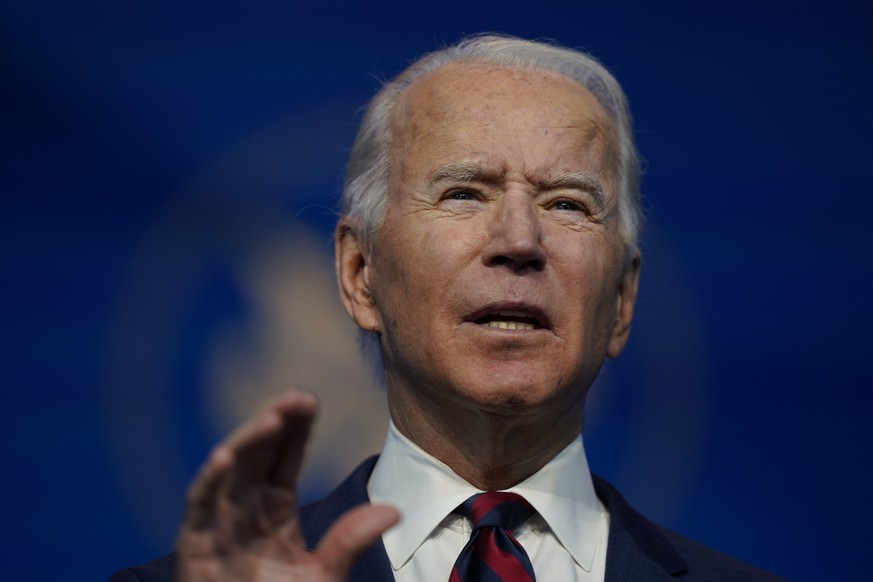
{"x":353,"y":278}
{"x":624,"y":313}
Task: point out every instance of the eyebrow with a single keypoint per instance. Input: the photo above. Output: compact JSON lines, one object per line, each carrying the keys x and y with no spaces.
{"x":464,"y":172}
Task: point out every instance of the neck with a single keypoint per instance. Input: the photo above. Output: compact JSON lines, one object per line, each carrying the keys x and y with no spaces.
{"x":490,"y":449}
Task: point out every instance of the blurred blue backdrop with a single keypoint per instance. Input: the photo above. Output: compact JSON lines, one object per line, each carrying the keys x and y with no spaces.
{"x":169,"y":172}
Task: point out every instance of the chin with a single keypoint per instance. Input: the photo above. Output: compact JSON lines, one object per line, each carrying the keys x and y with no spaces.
{"x":509,"y":394}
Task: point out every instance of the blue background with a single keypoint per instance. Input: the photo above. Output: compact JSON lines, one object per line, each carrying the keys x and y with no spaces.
{"x":740,"y":414}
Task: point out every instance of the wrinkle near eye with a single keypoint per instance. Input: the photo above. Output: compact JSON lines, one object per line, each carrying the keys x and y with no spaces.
{"x":582,"y":182}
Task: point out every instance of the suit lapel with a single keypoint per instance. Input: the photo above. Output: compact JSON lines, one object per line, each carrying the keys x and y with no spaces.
{"x":637,"y":550}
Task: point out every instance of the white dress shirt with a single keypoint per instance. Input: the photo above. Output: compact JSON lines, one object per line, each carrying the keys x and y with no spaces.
{"x":565,"y":539}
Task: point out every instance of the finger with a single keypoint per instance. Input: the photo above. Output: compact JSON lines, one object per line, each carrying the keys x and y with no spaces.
{"x":274,"y":437}
{"x":270,"y":417}
{"x":203,"y":492}
{"x":297,"y":419}
{"x":349,"y":537}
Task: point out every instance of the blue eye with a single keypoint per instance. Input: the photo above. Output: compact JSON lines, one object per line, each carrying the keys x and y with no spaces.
{"x":461,"y":195}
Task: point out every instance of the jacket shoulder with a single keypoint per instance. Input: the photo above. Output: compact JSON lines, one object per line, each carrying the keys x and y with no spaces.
{"x":704,"y":563}
{"x":639,"y":549}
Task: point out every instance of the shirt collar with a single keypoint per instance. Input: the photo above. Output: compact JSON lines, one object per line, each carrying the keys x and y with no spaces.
{"x":425,"y":491}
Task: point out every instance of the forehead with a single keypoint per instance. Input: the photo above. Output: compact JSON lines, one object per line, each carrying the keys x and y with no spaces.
{"x":494,"y":111}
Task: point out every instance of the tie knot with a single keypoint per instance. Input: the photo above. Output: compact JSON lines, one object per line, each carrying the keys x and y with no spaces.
{"x":497,"y":509}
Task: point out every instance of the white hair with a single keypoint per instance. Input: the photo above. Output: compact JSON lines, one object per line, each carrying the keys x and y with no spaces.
{"x":366,"y":185}
{"x":365,"y":192}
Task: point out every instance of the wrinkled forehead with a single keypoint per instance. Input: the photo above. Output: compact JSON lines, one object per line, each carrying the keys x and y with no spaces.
{"x":463,"y":91}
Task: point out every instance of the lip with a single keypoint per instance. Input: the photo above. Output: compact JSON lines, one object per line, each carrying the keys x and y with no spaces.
{"x":523,"y":310}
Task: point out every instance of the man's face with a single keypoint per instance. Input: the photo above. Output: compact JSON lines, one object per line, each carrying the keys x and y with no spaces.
{"x":498,"y":278}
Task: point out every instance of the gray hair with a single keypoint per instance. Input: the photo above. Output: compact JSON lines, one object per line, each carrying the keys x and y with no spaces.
{"x":365,"y":192}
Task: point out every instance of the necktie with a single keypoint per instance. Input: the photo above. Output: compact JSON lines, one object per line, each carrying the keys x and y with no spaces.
{"x":493,"y":554}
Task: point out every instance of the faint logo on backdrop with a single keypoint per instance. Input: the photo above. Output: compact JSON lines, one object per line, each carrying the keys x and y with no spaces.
{"x":297,"y":335}
{"x":231,"y":299}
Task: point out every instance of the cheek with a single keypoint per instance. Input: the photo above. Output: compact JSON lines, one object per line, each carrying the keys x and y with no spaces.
{"x":435,"y":255}
{"x":405,"y":274}
{"x":590,"y":288}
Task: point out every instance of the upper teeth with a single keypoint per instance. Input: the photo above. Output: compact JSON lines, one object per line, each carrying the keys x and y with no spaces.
{"x":510,"y":324}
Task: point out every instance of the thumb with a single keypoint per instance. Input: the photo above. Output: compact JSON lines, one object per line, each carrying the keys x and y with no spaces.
{"x":351,"y":535}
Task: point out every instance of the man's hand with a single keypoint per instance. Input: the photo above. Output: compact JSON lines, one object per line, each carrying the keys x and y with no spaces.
{"x":241,"y":520}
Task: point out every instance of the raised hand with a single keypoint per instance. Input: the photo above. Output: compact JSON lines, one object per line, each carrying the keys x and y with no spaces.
{"x":241,"y":520}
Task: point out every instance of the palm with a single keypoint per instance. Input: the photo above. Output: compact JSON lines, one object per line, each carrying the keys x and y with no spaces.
{"x":241,"y":522}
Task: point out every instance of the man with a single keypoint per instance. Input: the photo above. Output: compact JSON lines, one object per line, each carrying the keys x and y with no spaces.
{"x":488,"y":251}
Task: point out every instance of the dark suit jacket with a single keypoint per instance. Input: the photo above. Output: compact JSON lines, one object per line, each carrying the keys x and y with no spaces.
{"x":637,"y":549}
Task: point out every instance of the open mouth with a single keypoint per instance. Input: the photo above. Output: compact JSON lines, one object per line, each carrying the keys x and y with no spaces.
{"x":510,"y":319}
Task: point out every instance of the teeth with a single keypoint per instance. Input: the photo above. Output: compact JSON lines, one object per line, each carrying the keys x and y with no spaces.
{"x":509,"y":324}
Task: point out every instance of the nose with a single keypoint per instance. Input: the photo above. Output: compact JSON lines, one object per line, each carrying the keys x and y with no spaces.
{"x":515,"y":235}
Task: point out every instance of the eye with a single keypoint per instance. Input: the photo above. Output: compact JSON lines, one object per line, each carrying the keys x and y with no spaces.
{"x":461,"y":200}
{"x":461,"y":195}
{"x":568,"y":205}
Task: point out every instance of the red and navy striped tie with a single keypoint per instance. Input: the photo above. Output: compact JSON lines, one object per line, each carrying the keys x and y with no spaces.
{"x":493,"y":554}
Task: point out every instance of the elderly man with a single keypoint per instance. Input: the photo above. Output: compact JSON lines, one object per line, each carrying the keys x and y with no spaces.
{"x":488,"y":252}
